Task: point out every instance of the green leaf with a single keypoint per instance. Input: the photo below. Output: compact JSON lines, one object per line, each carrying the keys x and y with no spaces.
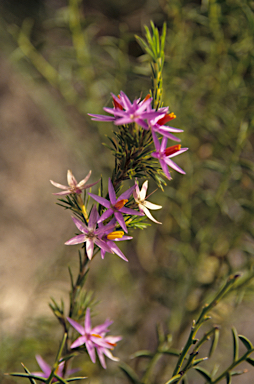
{"x":71,"y":379}
{"x":237,"y":373}
{"x":130,"y":373}
{"x":215,"y":339}
{"x":198,"y":361}
{"x":32,"y":381}
{"x":235,"y":344}
{"x":250,"y":361}
{"x":60,"y":379}
{"x":160,"y":333}
{"x":229,"y":378}
{"x":174,"y":379}
{"x":246,"y":342}
{"x":28,"y":376}
{"x":203,"y":372}
{"x":143,"y":353}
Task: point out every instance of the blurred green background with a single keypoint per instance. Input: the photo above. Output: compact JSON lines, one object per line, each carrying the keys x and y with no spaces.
{"x":58,"y":62}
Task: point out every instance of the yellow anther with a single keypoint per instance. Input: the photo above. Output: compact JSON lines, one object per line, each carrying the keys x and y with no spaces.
{"x":115,"y":235}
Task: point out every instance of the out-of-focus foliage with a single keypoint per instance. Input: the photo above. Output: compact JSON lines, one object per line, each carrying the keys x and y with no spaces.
{"x":208,"y":82}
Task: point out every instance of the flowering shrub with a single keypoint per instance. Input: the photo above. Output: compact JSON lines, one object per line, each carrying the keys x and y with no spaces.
{"x":141,"y":153}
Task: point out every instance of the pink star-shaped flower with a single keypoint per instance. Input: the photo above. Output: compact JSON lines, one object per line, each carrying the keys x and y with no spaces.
{"x":164,"y":155}
{"x":73,"y":185}
{"x":95,"y":339}
{"x":115,"y":206}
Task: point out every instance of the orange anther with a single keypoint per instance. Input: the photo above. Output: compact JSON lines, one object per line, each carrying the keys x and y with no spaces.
{"x":147,"y":97}
{"x":166,"y":118}
{"x":170,"y":150}
{"x":116,"y":104}
{"x":120,"y":204}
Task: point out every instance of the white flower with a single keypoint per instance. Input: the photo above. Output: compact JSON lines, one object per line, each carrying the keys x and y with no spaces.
{"x":143,"y":204}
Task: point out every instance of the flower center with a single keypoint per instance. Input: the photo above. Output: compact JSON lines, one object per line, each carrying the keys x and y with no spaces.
{"x":120,"y":204}
{"x":91,"y":235}
{"x":171,"y":150}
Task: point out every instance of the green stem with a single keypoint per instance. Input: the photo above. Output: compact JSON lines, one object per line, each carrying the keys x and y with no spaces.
{"x":201,"y":319}
{"x":154,"y":360}
{"x":232,"y":366}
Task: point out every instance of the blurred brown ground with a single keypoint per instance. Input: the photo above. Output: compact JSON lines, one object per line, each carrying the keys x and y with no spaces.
{"x":31,"y":154}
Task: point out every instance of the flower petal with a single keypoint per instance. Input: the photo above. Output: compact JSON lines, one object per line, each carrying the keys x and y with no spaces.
{"x":89,"y":248}
{"x":148,"y":214}
{"x":100,"y":200}
{"x":143,"y":191}
{"x":173,"y":165}
{"x":110,"y":356}
{"x":117,"y":251}
{"x":80,"y":225}
{"x":130,"y":211}
{"x":71,"y":179}
{"x":103,"y":245}
{"x":63,"y":193}
{"x":106,"y":215}
{"x":93,"y":218}
{"x":43,"y":365}
{"x":76,"y":240}
{"x":151,"y":205}
{"x":127,"y":194}
{"x":120,"y":219}
{"x":101,"y":357}
{"x":111,"y":192}
{"x":179,"y":152}
{"x":165,"y":169}
{"x":79,"y":342}
{"x":101,"y":117}
{"x":59,"y":185}
{"x":76,"y":325}
{"x":82,"y":182}
{"x":91,"y":350}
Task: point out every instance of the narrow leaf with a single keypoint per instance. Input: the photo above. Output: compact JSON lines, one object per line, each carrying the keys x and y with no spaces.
{"x":198,"y":361}
{"x":60,"y":379}
{"x":246,"y":342}
{"x":142,"y":354}
{"x":237,"y":373}
{"x":129,"y":372}
{"x":214,"y":342}
{"x":250,"y":361}
{"x":235,"y":344}
{"x":28,"y":376}
{"x":174,"y":379}
{"x":228,"y":377}
{"x":204,"y":373}
{"x":32,"y":381}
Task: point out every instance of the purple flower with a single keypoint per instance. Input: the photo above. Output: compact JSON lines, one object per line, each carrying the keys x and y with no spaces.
{"x":109,"y":237}
{"x":46,"y":369}
{"x":95,"y":339}
{"x":115,"y":206}
{"x":143,"y":204}
{"x":90,"y":235}
{"x":125,"y":112}
{"x":157,"y":124}
{"x":164,"y":155}
{"x":74,"y":186}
